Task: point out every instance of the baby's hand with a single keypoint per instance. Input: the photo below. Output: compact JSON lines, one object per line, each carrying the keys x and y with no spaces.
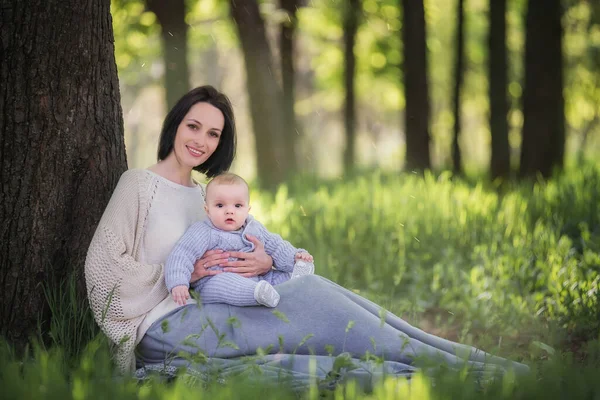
{"x":180,"y":294}
{"x":304,"y":256}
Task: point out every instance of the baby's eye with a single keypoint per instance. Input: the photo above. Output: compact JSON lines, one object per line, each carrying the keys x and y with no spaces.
{"x":219,"y":205}
{"x":238,"y":205}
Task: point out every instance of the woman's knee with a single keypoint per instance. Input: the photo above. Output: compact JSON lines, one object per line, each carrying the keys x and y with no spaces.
{"x":310,"y":280}
{"x":303,"y":286}
{"x":314,"y":283}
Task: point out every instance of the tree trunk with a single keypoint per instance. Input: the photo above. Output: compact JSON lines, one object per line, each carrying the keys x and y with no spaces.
{"x":498,"y":82}
{"x":61,"y":146}
{"x":543,"y":102}
{"x":286,"y":45}
{"x":458,"y":80}
{"x":416,"y":88}
{"x":264,"y":94}
{"x":212,"y":72}
{"x":171,"y":17}
{"x":352,"y":9}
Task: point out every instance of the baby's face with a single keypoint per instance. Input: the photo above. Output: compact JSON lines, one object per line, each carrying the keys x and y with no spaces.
{"x":227,"y":206}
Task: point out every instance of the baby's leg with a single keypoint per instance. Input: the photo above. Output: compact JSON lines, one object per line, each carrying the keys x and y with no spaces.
{"x":233,"y":289}
{"x":275,"y":277}
{"x":301,"y":268}
{"x":228,"y":288}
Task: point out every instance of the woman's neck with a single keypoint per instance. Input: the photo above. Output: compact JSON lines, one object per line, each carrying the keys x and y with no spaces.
{"x":170,"y":169}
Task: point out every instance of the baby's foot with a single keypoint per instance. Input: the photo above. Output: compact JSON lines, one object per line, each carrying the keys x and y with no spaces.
{"x":302,"y":268}
{"x":266,"y":294}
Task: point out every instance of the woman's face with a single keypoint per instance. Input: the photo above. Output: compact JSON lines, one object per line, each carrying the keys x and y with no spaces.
{"x":198,"y":135}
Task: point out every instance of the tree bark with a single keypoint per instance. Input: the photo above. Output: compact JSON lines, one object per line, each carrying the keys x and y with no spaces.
{"x":266,"y":104}
{"x":416,"y":87}
{"x":352,"y":9}
{"x":288,"y":75}
{"x":498,"y":82}
{"x":543,"y":103}
{"x":171,"y":17}
{"x":458,"y":80}
{"x":61,"y":146}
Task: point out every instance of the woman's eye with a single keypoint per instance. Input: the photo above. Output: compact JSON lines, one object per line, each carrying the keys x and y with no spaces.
{"x":192,"y":127}
{"x":214,"y":134}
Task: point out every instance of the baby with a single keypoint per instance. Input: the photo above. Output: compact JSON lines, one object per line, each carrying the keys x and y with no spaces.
{"x":228,"y":222}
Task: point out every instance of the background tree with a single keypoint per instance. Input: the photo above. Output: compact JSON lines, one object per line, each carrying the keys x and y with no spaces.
{"x":582,"y":80}
{"x":498,"y":83}
{"x":416,"y":86}
{"x":288,"y":78}
{"x":61,"y":146}
{"x":459,"y":58}
{"x":264,"y":94}
{"x":352,"y":11}
{"x":543,"y":103}
{"x":174,"y":32}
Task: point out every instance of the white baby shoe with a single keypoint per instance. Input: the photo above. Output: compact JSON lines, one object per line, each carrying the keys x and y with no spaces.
{"x":265,"y":294}
{"x":302,"y":268}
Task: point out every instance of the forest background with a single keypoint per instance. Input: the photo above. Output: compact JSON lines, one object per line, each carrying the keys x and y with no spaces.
{"x":438,"y":157}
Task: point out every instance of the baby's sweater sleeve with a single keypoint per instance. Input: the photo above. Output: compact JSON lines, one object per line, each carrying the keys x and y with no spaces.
{"x":282,"y":251}
{"x":180,"y":263}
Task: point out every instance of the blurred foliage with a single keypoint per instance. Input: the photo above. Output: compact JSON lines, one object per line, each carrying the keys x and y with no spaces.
{"x":137,"y":42}
{"x":215,"y":58}
{"x":582,"y":44}
{"x":210,"y":25}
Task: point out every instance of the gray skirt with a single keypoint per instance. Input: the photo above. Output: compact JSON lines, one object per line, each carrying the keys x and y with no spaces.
{"x":315,"y":322}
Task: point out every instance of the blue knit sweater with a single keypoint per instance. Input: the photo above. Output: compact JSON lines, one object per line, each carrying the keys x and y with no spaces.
{"x":203,"y":236}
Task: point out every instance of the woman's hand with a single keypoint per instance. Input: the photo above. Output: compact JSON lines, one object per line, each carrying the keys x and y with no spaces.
{"x":210,"y":259}
{"x":250,"y":264}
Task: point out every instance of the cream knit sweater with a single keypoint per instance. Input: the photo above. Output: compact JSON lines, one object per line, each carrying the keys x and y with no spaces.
{"x":122,"y":289}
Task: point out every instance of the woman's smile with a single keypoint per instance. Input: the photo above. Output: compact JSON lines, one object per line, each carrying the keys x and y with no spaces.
{"x":194,"y":152}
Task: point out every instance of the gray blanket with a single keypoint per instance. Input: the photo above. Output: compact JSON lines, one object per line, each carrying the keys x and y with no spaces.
{"x":319,"y":330}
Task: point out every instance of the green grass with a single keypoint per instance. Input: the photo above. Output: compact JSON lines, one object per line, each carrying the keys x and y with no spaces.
{"x":515,"y":272}
{"x":512,"y":263}
{"x":71,"y":326}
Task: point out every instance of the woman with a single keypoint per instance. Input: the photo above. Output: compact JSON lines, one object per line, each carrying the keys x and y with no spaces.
{"x":150,"y":209}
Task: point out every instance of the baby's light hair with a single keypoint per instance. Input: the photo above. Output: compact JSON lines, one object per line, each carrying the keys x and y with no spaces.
{"x":227,"y":178}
